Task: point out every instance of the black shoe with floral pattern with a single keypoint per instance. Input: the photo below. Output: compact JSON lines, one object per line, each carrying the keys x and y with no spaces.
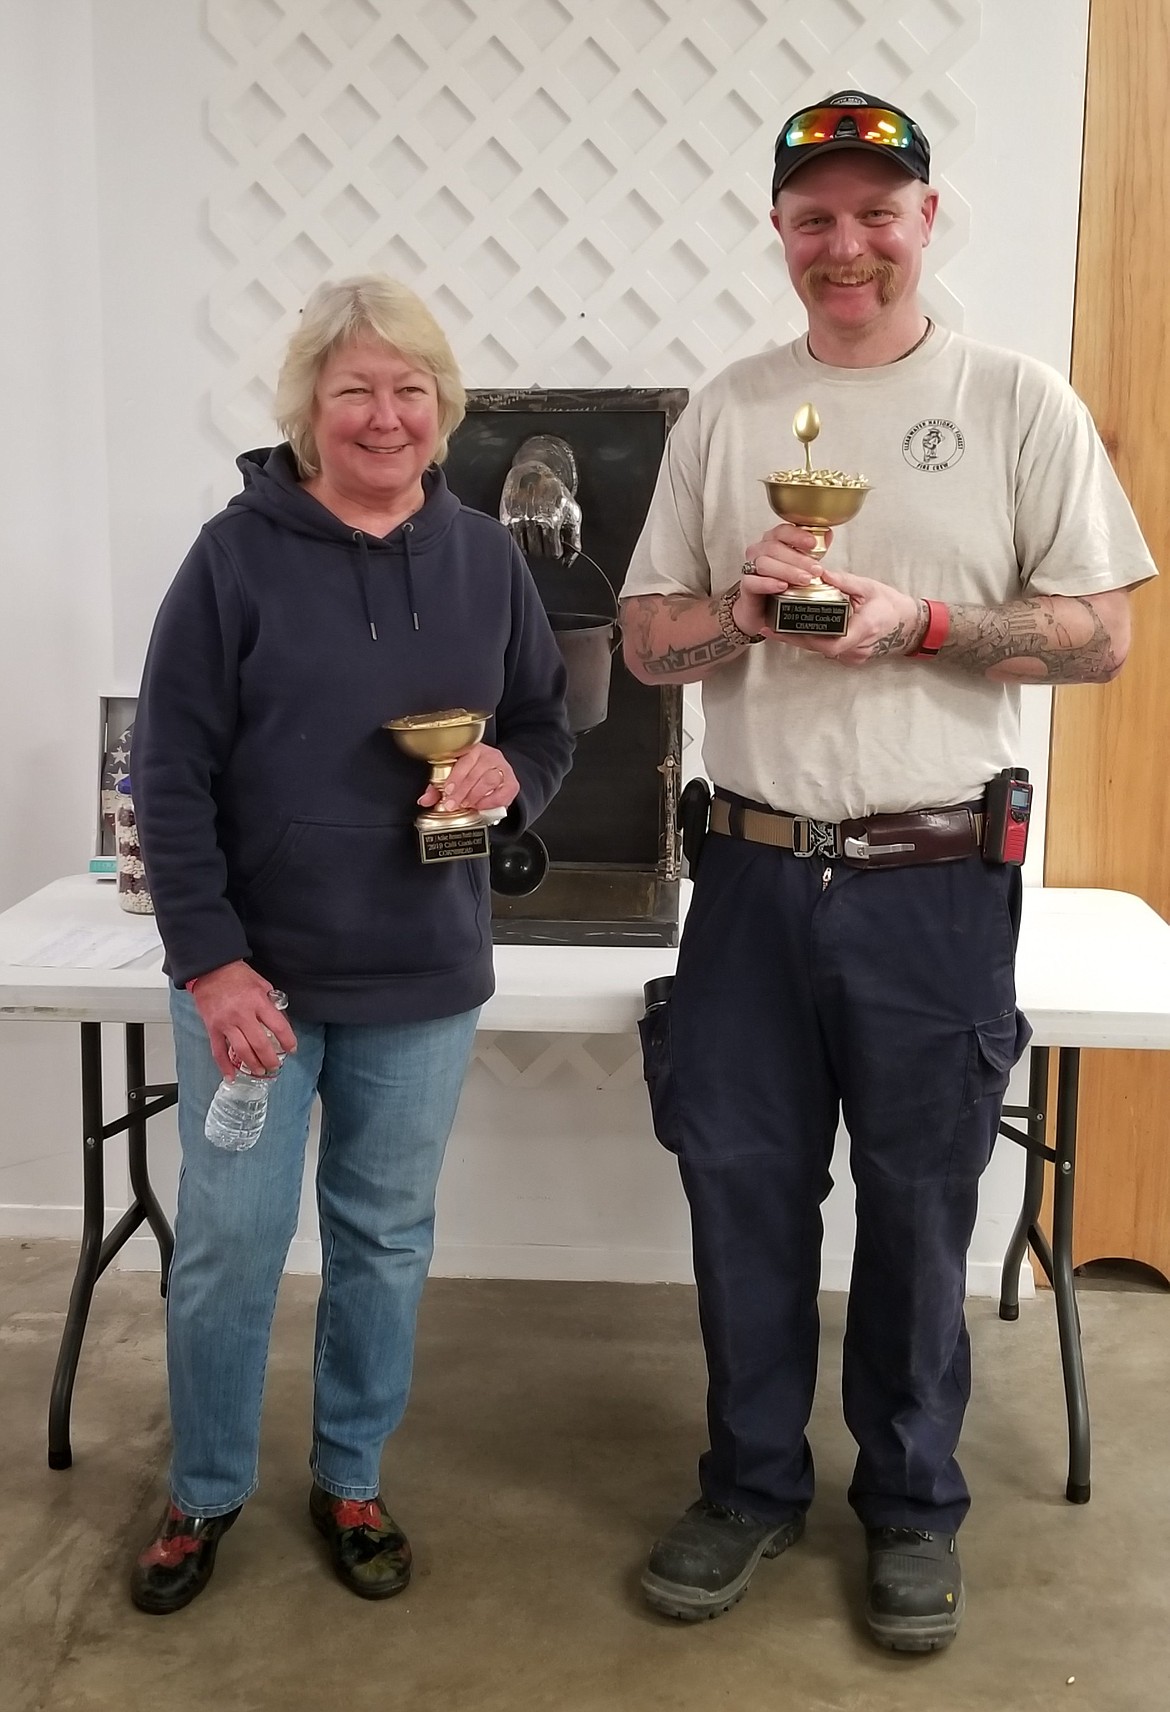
{"x":177,"y":1564}
{"x":370,"y":1553}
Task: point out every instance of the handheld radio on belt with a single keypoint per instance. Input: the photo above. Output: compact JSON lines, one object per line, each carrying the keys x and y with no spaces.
{"x":1005,"y":816}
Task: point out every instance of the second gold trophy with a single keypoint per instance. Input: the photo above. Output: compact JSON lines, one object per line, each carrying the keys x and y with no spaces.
{"x":445,"y":835}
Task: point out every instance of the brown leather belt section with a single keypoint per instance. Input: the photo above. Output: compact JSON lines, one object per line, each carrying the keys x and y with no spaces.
{"x":875,"y":841}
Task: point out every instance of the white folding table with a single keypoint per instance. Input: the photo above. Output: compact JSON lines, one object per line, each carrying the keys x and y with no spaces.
{"x":1093,"y":970}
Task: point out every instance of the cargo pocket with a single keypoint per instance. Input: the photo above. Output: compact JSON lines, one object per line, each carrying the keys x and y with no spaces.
{"x":658,"y":1069}
{"x":996,"y":1046}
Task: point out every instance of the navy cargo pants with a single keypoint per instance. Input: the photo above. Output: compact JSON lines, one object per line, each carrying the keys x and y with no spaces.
{"x":805,"y":990}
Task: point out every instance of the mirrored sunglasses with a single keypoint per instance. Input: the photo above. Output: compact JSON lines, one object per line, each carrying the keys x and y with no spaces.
{"x":869,"y":124}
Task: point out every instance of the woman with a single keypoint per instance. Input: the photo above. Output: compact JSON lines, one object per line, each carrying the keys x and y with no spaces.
{"x":345,"y":586}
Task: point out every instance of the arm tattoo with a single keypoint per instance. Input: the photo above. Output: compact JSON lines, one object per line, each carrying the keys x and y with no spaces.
{"x":639,"y":613}
{"x":903,"y":638}
{"x":687,"y":659}
{"x":1061,"y":637}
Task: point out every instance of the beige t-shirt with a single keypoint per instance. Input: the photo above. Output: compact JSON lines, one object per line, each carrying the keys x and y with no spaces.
{"x":988,"y":483}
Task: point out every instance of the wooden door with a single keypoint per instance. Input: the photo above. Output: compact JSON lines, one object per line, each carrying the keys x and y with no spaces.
{"x":1109,"y":795}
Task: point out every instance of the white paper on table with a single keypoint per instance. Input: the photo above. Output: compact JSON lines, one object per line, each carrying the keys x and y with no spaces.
{"x":80,"y":946}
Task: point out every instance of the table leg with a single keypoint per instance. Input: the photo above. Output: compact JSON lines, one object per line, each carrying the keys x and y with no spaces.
{"x":1055,"y":1259}
{"x":98,"y":1250}
{"x":93,"y":1220}
{"x":144,"y":1194}
{"x":1027,"y":1229}
{"x":1064,"y":1287}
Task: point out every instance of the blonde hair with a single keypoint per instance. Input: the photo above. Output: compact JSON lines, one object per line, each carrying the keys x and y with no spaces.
{"x":369,"y":306}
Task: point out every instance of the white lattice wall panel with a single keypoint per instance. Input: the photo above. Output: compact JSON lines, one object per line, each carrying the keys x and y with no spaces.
{"x":579,"y":188}
{"x":606,"y":1062}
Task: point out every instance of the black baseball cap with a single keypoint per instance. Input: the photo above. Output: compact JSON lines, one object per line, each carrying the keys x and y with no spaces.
{"x":851,"y":120}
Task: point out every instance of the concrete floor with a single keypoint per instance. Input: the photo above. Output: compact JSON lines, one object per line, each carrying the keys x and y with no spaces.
{"x":552,"y":1432}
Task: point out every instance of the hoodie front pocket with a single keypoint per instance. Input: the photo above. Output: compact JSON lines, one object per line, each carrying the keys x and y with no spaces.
{"x":336,"y":902}
{"x":272,"y":865}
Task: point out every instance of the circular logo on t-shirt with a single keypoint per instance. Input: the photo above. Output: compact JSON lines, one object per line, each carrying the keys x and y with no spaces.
{"x":932,"y":445}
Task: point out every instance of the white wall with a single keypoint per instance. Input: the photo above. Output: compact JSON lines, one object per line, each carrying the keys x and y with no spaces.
{"x":54,"y":556}
{"x":55,"y":590}
{"x":581,"y":191}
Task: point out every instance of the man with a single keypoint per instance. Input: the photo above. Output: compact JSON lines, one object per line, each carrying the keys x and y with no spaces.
{"x":864,"y":969}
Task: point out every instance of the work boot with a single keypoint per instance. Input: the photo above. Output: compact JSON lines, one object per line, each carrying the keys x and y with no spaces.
{"x":702,"y":1567}
{"x":914,"y":1589}
{"x":370,"y":1553}
{"x":177,"y":1564}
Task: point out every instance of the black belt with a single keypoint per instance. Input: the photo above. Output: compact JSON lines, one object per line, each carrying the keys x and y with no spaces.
{"x":871,"y":841}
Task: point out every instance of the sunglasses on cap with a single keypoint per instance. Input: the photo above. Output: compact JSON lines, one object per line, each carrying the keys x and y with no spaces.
{"x":867,"y":124}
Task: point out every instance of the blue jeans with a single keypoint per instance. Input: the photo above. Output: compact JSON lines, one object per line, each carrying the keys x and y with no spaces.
{"x":388,"y":1097}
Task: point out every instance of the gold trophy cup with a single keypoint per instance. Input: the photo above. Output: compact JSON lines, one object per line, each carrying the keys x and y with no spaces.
{"x":445,"y":835}
{"x":815,"y":500}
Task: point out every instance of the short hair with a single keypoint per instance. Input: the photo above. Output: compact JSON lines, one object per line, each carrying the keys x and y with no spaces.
{"x":368,"y":306}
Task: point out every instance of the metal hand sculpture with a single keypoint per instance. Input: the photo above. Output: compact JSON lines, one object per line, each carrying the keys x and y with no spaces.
{"x":538,"y":505}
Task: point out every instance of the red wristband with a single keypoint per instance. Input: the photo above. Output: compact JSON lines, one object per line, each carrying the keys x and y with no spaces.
{"x":937,"y":628}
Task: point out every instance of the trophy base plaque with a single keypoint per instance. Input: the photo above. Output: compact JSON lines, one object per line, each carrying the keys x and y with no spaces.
{"x":451,"y":837}
{"x":808,"y":615}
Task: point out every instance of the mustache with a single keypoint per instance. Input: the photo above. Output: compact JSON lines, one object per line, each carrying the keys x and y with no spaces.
{"x":885,"y":273}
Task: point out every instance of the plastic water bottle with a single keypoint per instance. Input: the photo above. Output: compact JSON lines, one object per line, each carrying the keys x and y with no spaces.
{"x":237,"y":1112}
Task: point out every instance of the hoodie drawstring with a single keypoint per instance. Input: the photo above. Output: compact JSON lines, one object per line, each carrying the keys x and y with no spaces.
{"x":364,"y":581}
{"x":364,"y":577}
{"x":407,"y":532}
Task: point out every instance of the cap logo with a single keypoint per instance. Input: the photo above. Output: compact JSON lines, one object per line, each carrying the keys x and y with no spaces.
{"x":848,"y":101}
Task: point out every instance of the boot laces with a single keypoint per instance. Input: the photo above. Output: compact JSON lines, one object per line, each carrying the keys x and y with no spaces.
{"x":357,"y":1513}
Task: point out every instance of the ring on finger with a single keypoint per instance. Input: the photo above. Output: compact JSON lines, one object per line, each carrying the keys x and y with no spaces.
{"x":748,"y":568}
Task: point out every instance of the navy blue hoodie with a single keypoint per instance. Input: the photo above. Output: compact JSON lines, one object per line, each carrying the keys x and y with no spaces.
{"x":276,"y":816}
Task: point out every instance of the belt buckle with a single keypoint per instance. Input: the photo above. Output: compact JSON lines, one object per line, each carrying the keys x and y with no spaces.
{"x":814,"y":837}
{"x":858,"y":850}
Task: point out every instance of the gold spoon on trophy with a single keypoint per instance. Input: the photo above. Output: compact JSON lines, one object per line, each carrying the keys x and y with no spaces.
{"x":816,"y":500}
